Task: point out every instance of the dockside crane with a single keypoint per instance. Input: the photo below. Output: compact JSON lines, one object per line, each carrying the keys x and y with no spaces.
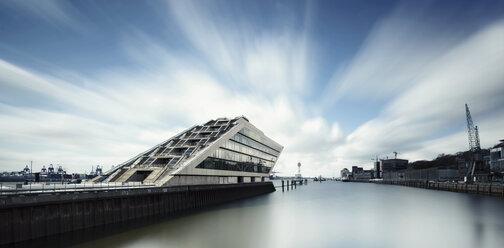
{"x":474,"y":146}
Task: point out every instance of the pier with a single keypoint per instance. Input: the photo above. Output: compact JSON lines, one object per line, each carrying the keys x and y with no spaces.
{"x":35,"y":214}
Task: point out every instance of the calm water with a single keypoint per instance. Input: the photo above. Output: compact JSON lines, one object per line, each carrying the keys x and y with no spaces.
{"x":331,"y":214}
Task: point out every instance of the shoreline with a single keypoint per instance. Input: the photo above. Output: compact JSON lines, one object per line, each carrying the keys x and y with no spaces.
{"x":475,"y":189}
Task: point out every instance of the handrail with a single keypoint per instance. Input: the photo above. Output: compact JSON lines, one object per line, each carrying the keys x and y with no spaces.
{"x":58,"y":188}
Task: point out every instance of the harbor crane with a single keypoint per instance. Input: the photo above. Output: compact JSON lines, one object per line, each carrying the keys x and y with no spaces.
{"x":474,"y":146}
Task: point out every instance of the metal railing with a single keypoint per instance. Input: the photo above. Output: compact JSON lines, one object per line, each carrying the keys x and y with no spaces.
{"x":32,"y":188}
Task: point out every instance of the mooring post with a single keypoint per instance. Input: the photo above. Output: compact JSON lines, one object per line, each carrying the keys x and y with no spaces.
{"x":292,"y":184}
{"x":282,"y":185}
{"x":295,"y":184}
{"x":287,"y":184}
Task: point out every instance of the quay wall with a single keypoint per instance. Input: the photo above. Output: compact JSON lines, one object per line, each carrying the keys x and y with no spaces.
{"x":478,"y":189}
{"x":31,"y":216}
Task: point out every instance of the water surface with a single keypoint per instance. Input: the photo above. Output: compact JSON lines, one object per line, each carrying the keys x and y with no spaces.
{"x":330,"y":214}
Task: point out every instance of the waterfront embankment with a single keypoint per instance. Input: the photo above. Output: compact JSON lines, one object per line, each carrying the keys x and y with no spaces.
{"x":329,"y":214}
{"x":478,"y":189}
{"x":34,"y":215}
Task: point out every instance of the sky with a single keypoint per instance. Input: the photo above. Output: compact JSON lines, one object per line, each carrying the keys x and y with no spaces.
{"x":337,"y":83}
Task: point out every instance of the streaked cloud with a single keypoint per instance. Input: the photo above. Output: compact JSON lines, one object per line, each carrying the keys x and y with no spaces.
{"x":227,"y":62}
{"x":427,"y":114}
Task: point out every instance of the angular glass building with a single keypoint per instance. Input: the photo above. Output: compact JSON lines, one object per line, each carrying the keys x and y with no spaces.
{"x":219,"y":152}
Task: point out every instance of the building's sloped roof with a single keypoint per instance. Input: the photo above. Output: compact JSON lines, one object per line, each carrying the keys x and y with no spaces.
{"x":186,"y":144}
{"x":180,"y":154}
{"x":171,"y":153}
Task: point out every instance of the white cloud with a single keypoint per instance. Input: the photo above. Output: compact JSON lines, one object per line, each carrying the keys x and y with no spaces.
{"x":239,"y":69}
{"x":120,"y":112}
{"x":420,"y":122}
{"x":400,"y":48}
{"x":273,"y":61}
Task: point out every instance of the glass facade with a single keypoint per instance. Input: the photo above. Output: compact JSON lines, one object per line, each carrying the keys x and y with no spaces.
{"x":221,"y":164}
{"x":223,"y":153}
{"x":260,"y":138}
{"x":242,"y":153}
{"x":243,"y":139}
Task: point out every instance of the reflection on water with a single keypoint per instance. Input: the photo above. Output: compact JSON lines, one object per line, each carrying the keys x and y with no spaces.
{"x":330,"y":214}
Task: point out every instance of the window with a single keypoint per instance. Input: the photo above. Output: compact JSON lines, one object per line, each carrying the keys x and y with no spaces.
{"x":222,"y":164}
{"x":173,"y":162}
{"x":202,"y":142}
{"x":149,"y":161}
{"x":189,"y":151}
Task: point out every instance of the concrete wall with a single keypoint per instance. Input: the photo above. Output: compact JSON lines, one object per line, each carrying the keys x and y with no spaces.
{"x":428,"y":174}
{"x":33,"y":216}
{"x":480,"y":189}
{"x":196,"y":180}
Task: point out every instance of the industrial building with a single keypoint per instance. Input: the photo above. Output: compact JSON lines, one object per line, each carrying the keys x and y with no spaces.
{"x":358,"y":173}
{"x":497,"y":157}
{"x":428,"y":174}
{"x":390,"y":167}
{"x":377,"y":169}
{"x":221,"y":151}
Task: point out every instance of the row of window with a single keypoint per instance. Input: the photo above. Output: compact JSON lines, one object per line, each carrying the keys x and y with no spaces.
{"x":238,"y":157}
{"x":259,"y":138}
{"x":219,"y":164}
{"x":235,"y":146}
{"x":252,"y":143}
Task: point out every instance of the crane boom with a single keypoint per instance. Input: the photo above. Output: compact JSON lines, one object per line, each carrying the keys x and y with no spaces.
{"x":474,"y":145}
{"x":472,"y":131}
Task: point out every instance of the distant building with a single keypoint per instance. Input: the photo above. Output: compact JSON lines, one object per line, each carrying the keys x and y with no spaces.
{"x":394,"y":164}
{"x":428,"y":174}
{"x":356,"y":170}
{"x":377,"y":169}
{"x":364,"y":175}
{"x":358,"y":173}
{"x":497,"y":157}
{"x":391,"y":167}
{"x":345,"y":173}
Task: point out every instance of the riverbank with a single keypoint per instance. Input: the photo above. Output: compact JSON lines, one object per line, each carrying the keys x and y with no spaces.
{"x":327,"y":214}
{"x":477,"y":189}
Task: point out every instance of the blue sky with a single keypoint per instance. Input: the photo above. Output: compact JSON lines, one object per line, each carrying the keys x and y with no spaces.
{"x":336,"y":82}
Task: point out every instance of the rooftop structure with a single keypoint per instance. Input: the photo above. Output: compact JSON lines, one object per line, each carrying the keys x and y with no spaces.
{"x":218,"y":152}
